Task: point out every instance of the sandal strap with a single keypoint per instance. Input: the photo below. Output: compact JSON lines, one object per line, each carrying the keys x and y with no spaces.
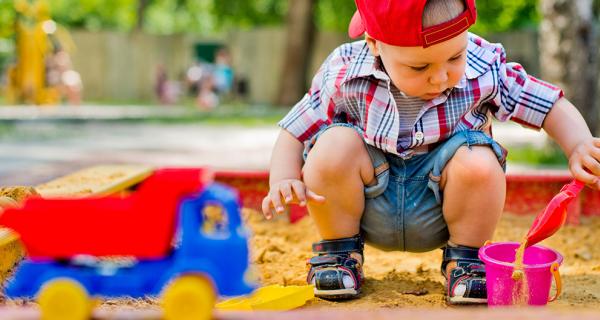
{"x":459,"y":254}
{"x":472,"y":276}
{"x":333,"y":261}
{"x":469,"y":273}
{"x":326,"y":260}
{"x":340,"y":246}
{"x":329,"y":269}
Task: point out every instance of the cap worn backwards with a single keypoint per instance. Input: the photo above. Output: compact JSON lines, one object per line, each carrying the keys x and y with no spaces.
{"x":399,"y":22}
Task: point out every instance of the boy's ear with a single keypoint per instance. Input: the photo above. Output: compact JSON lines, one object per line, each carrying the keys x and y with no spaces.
{"x":372,"y":43}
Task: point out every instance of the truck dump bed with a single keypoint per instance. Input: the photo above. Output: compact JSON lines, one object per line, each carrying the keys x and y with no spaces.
{"x":141,"y":224}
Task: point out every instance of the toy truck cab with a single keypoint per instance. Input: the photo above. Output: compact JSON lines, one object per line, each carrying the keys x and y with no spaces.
{"x":151,"y":242}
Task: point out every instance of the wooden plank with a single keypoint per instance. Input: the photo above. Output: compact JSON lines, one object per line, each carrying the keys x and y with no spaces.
{"x":95,"y":181}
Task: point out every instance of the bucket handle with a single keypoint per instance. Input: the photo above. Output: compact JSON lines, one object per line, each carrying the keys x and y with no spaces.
{"x":556,"y":274}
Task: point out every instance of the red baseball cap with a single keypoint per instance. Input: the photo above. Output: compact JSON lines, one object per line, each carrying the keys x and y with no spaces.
{"x":399,"y":22}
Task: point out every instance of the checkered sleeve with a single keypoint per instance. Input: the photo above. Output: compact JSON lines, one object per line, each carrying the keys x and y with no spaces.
{"x":521,"y":97}
{"x":310,"y":114}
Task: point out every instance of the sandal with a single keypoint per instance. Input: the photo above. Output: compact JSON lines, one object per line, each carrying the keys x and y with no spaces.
{"x":466,"y":282}
{"x":335,"y":274}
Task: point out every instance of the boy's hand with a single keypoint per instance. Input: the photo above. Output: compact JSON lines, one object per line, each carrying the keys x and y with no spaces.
{"x":285,"y":192}
{"x":584,"y":162}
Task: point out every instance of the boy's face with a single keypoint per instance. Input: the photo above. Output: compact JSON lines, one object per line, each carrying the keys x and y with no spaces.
{"x":424,"y":72}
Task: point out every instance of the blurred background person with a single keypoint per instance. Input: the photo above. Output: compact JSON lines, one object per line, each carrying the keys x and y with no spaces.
{"x":223,"y":72}
{"x":207,"y":98}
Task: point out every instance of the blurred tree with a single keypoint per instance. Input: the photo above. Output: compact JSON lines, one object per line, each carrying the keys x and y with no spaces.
{"x":569,"y":53}
{"x":141,"y":13}
{"x":299,"y":43}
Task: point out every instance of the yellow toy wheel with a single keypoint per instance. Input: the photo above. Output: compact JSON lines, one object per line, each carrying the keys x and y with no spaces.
{"x":189,"y":297}
{"x":64,"y":299}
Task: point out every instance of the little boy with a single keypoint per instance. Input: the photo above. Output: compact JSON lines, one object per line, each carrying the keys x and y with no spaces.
{"x":392,"y":144}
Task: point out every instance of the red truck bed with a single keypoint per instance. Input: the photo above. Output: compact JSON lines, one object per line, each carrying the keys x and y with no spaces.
{"x":141,"y":224}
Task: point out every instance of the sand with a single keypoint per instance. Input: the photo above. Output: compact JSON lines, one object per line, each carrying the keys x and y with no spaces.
{"x":18,"y":193}
{"x":279,"y":251}
{"x":400,"y":279}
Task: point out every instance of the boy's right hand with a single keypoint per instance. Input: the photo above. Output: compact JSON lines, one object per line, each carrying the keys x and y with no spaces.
{"x":285,"y":192}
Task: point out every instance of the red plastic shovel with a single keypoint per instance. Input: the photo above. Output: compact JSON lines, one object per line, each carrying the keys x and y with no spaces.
{"x":555,"y":214}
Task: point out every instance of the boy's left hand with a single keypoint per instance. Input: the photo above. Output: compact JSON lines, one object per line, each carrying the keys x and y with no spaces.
{"x":584,"y":162}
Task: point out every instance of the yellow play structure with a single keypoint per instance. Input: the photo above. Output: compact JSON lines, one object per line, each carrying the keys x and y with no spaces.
{"x":36,"y":38}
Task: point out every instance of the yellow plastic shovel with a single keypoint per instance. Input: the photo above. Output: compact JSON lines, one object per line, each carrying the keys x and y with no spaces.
{"x":274,"y":298}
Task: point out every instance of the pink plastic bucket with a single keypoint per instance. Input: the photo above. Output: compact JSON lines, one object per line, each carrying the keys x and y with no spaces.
{"x":540,"y":264}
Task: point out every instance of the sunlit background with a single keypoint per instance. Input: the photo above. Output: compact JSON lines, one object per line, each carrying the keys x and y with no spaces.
{"x":195,"y":82}
{"x":145,"y":52}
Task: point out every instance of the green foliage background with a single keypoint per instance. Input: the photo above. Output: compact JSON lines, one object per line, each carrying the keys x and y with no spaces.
{"x":501,"y":16}
{"x":7,"y":17}
{"x":209,"y":16}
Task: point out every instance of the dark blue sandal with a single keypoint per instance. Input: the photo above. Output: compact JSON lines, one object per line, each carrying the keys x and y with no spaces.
{"x":335,"y":274}
{"x":466,"y":282}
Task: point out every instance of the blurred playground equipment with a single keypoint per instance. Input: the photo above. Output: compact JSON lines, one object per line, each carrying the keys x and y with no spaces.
{"x":42,"y":71}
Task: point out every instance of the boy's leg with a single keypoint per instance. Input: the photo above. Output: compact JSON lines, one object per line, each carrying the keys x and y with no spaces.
{"x":474,"y":189}
{"x":338,"y":167}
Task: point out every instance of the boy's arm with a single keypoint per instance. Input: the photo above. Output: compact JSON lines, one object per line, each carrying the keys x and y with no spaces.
{"x":537,"y":104}
{"x":286,"y":160}
{"x":285,"y":178}
{"x":567,"y":127}
{"x":305,"y":120}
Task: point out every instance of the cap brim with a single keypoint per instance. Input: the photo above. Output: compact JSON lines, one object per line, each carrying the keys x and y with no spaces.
{"x":356,"y":27}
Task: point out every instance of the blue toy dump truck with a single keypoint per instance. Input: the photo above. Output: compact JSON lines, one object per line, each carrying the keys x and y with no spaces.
{"x":161,"y":240}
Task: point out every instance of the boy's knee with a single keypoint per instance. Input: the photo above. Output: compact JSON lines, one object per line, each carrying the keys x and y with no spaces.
{"x":338,"y":150}
{"x":473,"y":165}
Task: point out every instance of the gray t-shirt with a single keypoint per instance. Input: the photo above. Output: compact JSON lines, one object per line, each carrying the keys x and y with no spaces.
{"x":408,"y":110}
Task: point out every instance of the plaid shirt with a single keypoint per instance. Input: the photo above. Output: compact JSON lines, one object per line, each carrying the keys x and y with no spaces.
{"x":351,"y":87}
